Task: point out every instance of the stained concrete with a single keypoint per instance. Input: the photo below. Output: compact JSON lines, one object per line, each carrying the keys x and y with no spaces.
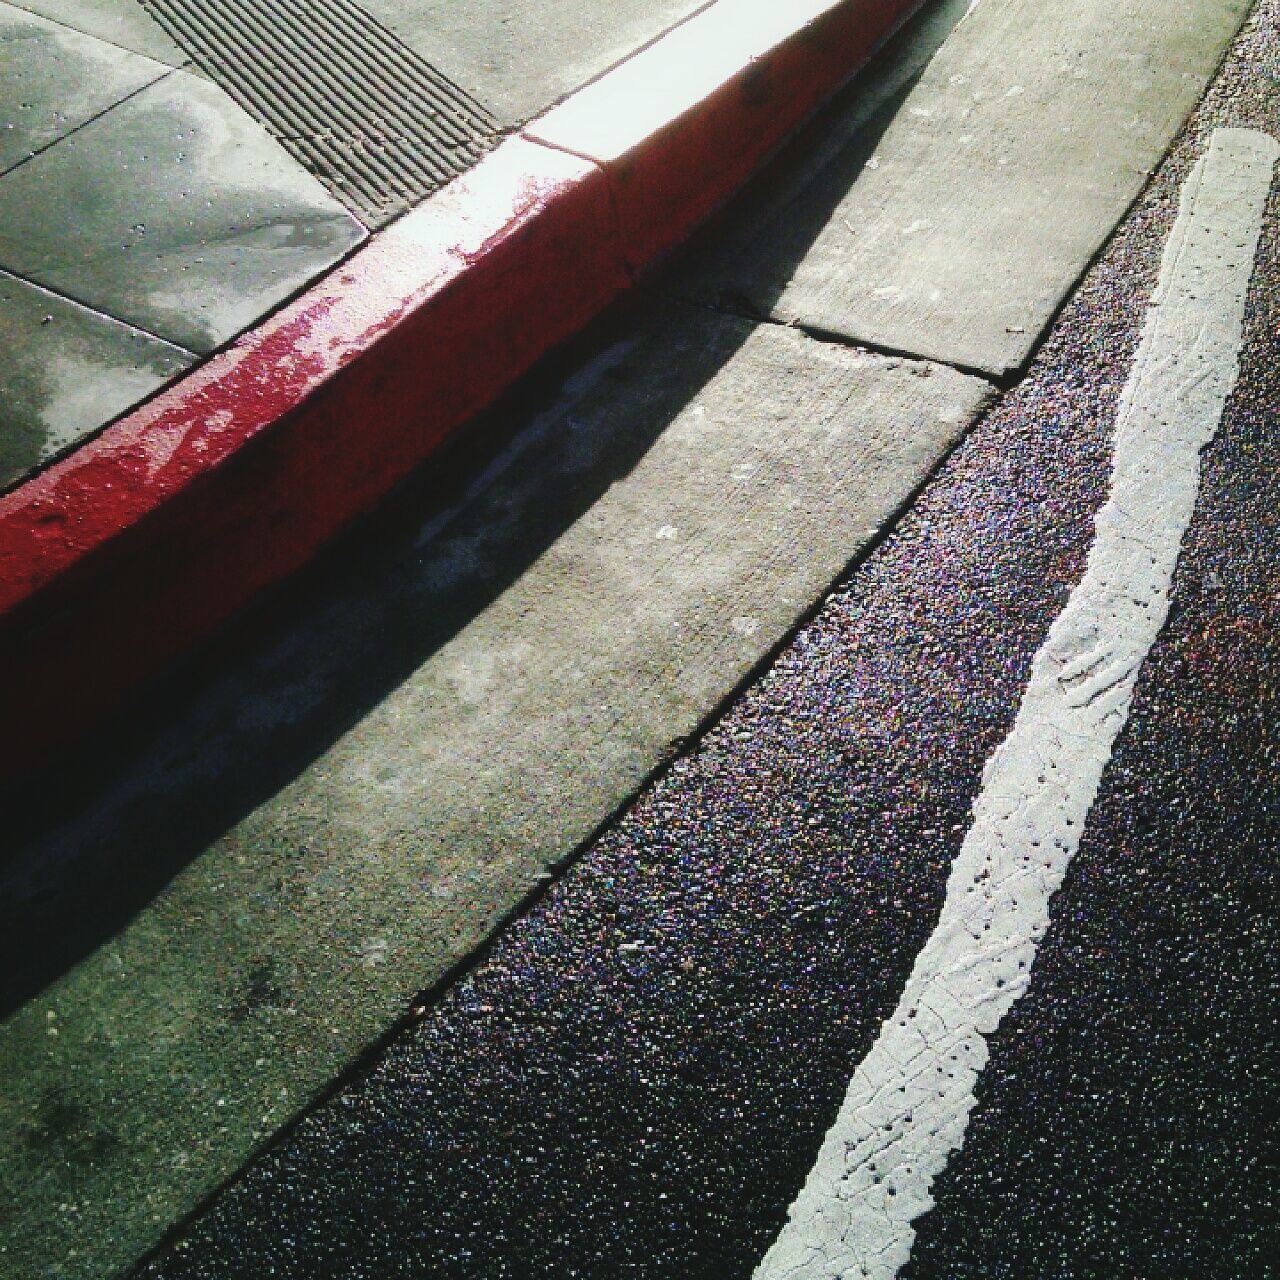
{"x":377,"y":124}
{"x":65,"y":370}
{"x":520,"y":56}
{"x":953,"y":224}
{"x":554,"y":659}
{"x":121,"y":22}
{"x":55,"y":79}
{"x":642,"y":545}
{"x":635,"y":1080}
{"x":173,"y":212}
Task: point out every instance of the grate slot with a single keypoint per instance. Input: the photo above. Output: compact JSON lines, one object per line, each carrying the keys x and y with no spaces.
{"x":353,"y":104}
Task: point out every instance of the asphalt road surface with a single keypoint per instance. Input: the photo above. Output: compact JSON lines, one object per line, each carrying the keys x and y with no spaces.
{"x":950,"y":949}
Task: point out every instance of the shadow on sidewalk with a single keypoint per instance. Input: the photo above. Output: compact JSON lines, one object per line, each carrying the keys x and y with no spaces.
{"x":95,"y":839}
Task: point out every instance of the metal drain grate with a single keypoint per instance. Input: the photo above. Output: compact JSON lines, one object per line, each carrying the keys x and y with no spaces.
{"x":375,"y":122}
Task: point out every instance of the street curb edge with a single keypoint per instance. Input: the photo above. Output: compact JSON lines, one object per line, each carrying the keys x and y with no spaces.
{"x":141,"y":542}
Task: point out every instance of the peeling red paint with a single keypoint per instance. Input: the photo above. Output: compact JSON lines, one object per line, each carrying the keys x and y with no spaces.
{"x":120,"y":556}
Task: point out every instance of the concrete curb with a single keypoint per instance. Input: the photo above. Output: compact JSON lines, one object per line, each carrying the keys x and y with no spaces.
{"x":129,"y":550}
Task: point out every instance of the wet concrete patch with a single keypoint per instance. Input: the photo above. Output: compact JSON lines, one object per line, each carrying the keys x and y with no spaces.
{"x":370,"y":117}
{"x":55,"y":80}
{"x":120,"y":22}
{"x":64,"y":371}
{"x":175,"y":213}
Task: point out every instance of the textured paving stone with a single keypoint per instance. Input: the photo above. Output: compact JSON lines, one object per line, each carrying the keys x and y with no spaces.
{"x":55,"y":79}
{"x":376,"y":122}
{"x":173,"y":212}
{"x":64,"y":371}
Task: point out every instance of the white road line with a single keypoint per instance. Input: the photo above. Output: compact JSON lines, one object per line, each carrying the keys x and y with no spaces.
{"x":909,"y":1101}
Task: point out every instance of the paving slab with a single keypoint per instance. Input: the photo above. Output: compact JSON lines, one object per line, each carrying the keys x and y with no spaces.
{"x":64,"y":371}
{"x":642,"y":545}
{"x":174,"y":212}
{"x":122,"y":22}
{"x":636,"y":1079}
{"x":953,"y":224}
{"x":56,"y":79}
{"x":520,"y":56}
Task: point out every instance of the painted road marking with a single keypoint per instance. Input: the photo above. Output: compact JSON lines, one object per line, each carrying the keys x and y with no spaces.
{"x":909,"y":1101}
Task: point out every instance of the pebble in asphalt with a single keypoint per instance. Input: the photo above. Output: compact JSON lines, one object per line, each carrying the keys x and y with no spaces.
{"x":637,"y":1077}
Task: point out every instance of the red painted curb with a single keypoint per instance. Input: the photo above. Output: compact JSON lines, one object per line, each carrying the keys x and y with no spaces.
{"x":141,"y":542}
{"x":683,"y":124}
{"x":127,"y":551}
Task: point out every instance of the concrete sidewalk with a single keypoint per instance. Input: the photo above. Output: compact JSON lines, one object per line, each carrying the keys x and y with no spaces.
{"x":158,"y":528}
{"x":342,"y":818}
{"x":172,"y":171}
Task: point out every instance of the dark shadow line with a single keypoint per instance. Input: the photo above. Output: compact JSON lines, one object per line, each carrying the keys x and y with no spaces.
{"x":95,"y":837}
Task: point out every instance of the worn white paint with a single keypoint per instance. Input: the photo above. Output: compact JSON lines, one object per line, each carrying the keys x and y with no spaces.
{"x":909,"y":1101}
